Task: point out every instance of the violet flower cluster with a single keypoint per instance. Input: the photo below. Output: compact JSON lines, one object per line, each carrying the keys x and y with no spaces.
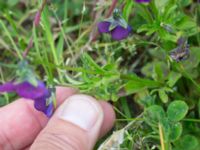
{"x":39,"y":94}
{"x":116,"y":25}
{"x":182,"y":51}
{"x":26,"y":85}
{"x":142,"y":1}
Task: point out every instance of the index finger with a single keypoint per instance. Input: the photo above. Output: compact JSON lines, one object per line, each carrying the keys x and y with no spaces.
{"x":21,"y":122}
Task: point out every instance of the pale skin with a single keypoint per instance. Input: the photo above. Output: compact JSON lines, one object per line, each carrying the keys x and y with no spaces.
{"x":23,"y":127}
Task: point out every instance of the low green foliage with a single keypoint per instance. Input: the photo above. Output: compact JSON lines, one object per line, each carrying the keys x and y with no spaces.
{"x":177,"y":110}
{"x":146,"y":86}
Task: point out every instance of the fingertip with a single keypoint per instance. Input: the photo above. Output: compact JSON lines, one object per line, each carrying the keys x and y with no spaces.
{"x":109,"y":117}
{"x":63,"y":92}
{"x":21,"y":119}
{"x":76,"y":124}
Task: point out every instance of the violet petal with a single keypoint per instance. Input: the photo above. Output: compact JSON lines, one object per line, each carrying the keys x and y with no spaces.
{"x":103,"y":27}
{"x":142,"y":1}
{"x":120,"y":33}
{"x":7,"y":87}
{"x":27,"y":90}
{"x":49,"y":110}
{"x":40,"y":104}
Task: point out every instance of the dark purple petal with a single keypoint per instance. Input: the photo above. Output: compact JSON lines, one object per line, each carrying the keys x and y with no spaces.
{"x":103,"y":27}
{"x":181,"y":41}
{"x":7,"y":87}
{"x":39,"y":94}
{"x":41,"y":105}
{"x":27,"y":90}
{"x":49,"y":110}
{"x":120,"y":33}
{"x":142,"y":1}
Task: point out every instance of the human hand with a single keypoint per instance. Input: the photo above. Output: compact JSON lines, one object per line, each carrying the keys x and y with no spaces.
{"x":76,"y":125}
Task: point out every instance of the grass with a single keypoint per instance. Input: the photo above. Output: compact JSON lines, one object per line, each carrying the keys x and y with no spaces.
{"x":137,"y":75}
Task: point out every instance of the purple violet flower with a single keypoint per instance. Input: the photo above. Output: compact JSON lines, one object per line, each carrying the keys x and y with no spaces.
{"x":118,"y":33}
{"x":116,"y":26}
{"x":39,"y":94}
{"x":182,"y":51}
{"x":142,"y":1}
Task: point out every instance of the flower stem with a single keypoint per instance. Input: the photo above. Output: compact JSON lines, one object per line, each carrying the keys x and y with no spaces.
{"x":30,"y":44}
{"x":112,"y":7}
{"x":161,"y":137}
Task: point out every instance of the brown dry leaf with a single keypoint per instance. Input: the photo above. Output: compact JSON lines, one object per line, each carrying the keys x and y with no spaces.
{"x":114,"y":141}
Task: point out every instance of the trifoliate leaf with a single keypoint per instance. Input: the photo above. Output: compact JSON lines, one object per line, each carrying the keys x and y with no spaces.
{"x":177,"y":110}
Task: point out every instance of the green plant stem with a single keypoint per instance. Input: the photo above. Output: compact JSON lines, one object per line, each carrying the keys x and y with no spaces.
{"x":162,"y":143}
{"x":141,"y":119}
{"x":82,"y":16}
{"x":11,"y":40}
{"x":125,"y":107}
{"x":130,"y":119}
{"x":6,"y":95}
{"x":191,"y":120}
{"x":118,"y":111}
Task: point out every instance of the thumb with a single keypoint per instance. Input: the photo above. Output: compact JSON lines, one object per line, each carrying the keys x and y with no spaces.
{"x":75,"y":126}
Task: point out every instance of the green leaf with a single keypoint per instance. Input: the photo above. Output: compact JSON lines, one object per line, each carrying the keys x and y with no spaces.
{"x":170,"y":9}
{"x":12,"y":2}
{"x":48,"y":33}
{"x":185,"y":3}
{"x":143,"y":11}
{"x":60,"y":47}
{"x":160,"y":4}
{"x":193,"y":61}
{"x":136,"y":84}
{"x":163,"y":96}
{"x":198,"y":107}
{"x":127,"y":9}
{"x":11,"y":39}
{"x":154,"y":115}
{"x":175,"y":131}
{"x":2,"y":101}
{"x":146,"y":101}
{"x":173,"y":78}
{"x":125,"y":106}
{"x":166,"y":128}
{"x":158,"y":70}
{"x":177,"y":110}
{"x":189,"y":25}
{"x":8,"y":16}
{"x":198,"y":15}
{"x":189,"y":142}
{"x":90,"y":63}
